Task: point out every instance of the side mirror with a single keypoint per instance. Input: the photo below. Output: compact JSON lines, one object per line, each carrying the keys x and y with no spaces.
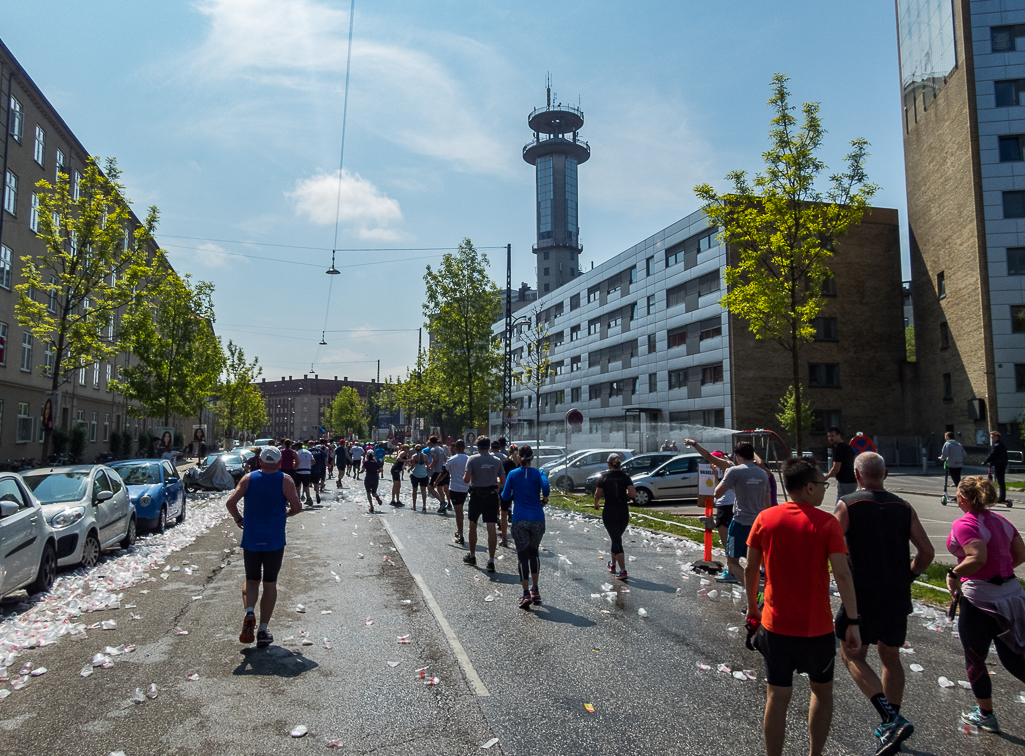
{"x":8,"y":508}
{"x":104,"y":496}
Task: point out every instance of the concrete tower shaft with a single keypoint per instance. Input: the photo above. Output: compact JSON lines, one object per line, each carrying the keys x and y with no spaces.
{"x":556,"y":152}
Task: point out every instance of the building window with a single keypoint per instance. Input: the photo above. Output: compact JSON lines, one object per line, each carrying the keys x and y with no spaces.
{"x":593,"y":294}
{"x":1008,"y":92}
{"x":651,"y":304}
{"x":652,"y":341}
{"x":676,"y":296}
{"x":96,"y":375}
{"x":108,"y":376}
{"x":574,"y":302}
{"x":829,"y":286}
{"x":708,"y":283}
{"x":700,"y":242}
{"x":677,"y":337}
{"x":615,"y":388}
{"x":26,"y":424}
{"x":710,"y":329}
{"x":1014,"y":204}
{"x":944,"y":336}
{"x":546,"y":271}
{"x":81,"y":376}
{"x":1005,"y":38}
{"x":677,"y":379}
{"x":948,"y":388}
{"x":825,"y":329}
{"x":33,"y":215}
{"x":594,"y":326}
{"x":713,"y":418}
{"x":615,"y":320}
{"x":633,"y":274}
{"x":48,"y":359}
{"x":3,"y":343}
{"x":26,"y":352}
{"x":574,"y":333}
{"x":92,"y":427}
{"x":546,"y":287}
{"x":633,"y":311}
{"x":39,"y":150}
{"x":1017,"y":318}
{"x":1011,"y":149}
{"x":11,"y":193}
{"x":1019,"y":378}
{"x":823,"y":419}
{"x":51,"y":295}
{"x":106,"y":427}
{"x":711,"y":374}
{"x":571,"y":199}
{"x":5,"y":266}
{"x":560,"y":397}
{"x":652,"y":383}
{"x":594,"y":393}
{"x":574,"y":364}
{"x":647,"y":266}
{"x":545,"y":195}
{"x":546,"y":255}
{"x":824,"y":374}
{"x":941,"y":285}
{"x":1016,"y":261}
{"x":60,"y":165}
{"x":17,"y":117}
{"x":574,"y":395}
{"x":76,"y":188}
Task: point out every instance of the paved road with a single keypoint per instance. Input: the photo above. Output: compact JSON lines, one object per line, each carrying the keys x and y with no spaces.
{"x":521,"y":677}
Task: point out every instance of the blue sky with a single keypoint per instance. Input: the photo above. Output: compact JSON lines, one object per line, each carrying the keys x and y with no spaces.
{"x":227,"y":115}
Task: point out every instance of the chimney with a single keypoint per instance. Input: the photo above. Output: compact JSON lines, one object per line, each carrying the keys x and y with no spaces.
{"x":336,"y":377}
{"x":282,"y":377}
{"x":289,"y":377}
{"x":315,"y":376}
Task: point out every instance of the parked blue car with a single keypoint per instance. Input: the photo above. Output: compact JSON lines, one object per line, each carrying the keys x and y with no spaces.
{"x":156,"y":489}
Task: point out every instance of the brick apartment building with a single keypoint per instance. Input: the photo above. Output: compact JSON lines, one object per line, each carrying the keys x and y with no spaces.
{"x":297,"y":408}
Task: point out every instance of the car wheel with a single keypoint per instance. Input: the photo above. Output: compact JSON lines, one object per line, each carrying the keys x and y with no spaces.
{"x":90,"y":551}
{"x":162,"y":520}
{"x":181,"y":515}
{"x":644,"y":497}
{"x":47,"y":572}
{"x":129,"y":539}
{"x":564,"y":483}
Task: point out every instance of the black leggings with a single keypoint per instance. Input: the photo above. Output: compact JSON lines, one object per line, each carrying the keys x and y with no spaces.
{"x":616,"y":526}
{"x":978,"y":630}
{"x":955,"y":475}
{"x":527,"y":534}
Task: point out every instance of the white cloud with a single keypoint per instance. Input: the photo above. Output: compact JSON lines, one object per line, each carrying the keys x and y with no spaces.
{"x":208,"y":255}
{"x":356,"y":201}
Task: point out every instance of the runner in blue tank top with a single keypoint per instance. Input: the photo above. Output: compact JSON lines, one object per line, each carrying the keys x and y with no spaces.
{"x":270,"y":497}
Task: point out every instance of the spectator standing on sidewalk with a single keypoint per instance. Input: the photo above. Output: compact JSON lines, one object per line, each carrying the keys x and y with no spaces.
{"x":997,"y":459}
{"x":878,"y":526}
{"x":952,"y":455}
{"x":843,"y":464}
{"x":798,"y":543}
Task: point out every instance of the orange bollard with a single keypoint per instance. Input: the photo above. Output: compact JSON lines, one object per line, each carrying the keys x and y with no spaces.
{"x":708,"y":528}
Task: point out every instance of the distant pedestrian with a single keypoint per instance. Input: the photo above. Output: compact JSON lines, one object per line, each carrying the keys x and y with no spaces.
{"x":419,"y":475}
{"x":997,"y":460}
{"x":458,"y":488}
{"x":673,"y":446}
{"x":269,"y":497}
{"x":528,"y":490}
{"x":992,"y":601}
{"x":843,"y":464}
{"x":878,"y":526}
{"x":485,"y":475}
{"x":666,"y":446}
{"x":798,"y":543}
{"x":750,"y":486}
{"x":616,"y":487}
{"x":952,"y":455}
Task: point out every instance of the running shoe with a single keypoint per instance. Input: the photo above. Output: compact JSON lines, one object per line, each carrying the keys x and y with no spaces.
{"x":441,"y":509}
{"x":491,"y":565}
{"x":459,"y":539}
{"x":535,"y":596}
{"x":318,"y":497}
{"x":612,"y":567}
{"x":264,"y":638}
{"x":621,"y":575}
{"x":727,"y":578}
{"x":526,"y":601}
{"x":248,"y":626}
{"x":470,"y":559}
{"x":987,"y":722}
{"x":892,"y":734}
{"x":504,"y":543}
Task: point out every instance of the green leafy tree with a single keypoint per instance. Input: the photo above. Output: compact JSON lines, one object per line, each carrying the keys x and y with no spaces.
{"x":93,"y":264}
{"x":238,"y":378}
{"x":461,"y":306}
{"x":788,"y":416}
{"x":783,"y":230}
{"x":534,"y":370}
{"x":252,"y":412}
{"x":179,"y":357}
{"x":419,"y":394}
{"x":348,"y":410}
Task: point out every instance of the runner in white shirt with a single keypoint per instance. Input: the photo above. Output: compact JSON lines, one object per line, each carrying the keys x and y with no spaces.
{"x":457,"y":489}
{"x":357,"y":459}
{"x":303,"y":470}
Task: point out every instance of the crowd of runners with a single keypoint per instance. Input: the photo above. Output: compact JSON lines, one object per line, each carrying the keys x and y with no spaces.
{"x":790,"y":549}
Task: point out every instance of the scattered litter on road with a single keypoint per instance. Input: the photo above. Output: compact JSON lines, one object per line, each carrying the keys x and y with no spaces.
{"x":906,"y":650}
{"x":917,"y":668}
{"x":403,"y":639}
{"x":299,"y":730}
{"x":180,"y":631}
{"x":489,"y":597}
{"x":139,"y":696}
{"x":334,"y":743}
{"x":750,"y":674}
{"x":369,"y":621}
{"x":733,"y":629}
{"x":724,"y":668}
{"x":152,"y":691}
{"x":422,"y":673}
{"x":490,"y":743}
{"x":406,"y":602}
{"x":301,"y":609}
{"x":432,"y":681}
{"x":393,"y":665}
{"x":631,"y":558}
{"x":38,"y":672}
{"x":192,"y":675}
{"x":945,"y":683}
{"x":86,"y":670}
{"x":703,"y":667}
{"x":740,"y":675}
{"x":606,"y":586}
{"x":967,"y":729}
{"x":196,"y":598}
{"x":589,"y":707}
{"x":325,"y":611}
{"x":965,"y":684}
{"x":358,"y":555}
{"x":326,"y":643}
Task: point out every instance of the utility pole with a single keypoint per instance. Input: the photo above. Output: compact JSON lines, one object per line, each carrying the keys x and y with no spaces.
{"x":507,"y":384}
{"x":378,"y":371}
{"x":416,"y":407}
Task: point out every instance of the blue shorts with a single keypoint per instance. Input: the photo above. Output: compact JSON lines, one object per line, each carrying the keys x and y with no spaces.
{"x":736,"y":540}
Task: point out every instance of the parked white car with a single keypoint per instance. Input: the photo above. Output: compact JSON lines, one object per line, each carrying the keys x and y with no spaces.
{"x":28,"y":549}
{"x":580,"y":465}
{"x":676,"y":479}
{"x":88,"y":508}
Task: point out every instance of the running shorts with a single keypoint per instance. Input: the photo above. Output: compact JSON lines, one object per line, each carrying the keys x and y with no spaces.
{"x":396,"y":473}
{"x":890,"y":630}
{"x":785,"y":654}
{"x":416,"y":481}
{"x":723,"y":516}
{"x":736,"y":540}
{"x":442,"y":479}
{"x":484,"y":504}
{"x":434,"y":477}
{"x":303,"y":477}
{"x":371,"y":484}
{"x":266,"y":562}
{"x":458,"y":497}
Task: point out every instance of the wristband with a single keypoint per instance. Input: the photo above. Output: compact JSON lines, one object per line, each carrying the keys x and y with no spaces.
{"x":951,"y":573}
{"x":854,"y":622}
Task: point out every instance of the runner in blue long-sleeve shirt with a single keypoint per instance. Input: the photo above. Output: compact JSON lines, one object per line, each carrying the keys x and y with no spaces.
{"x":528,"y":489}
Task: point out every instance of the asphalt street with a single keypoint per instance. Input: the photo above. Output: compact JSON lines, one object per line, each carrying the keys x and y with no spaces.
{"x":524,"y":678}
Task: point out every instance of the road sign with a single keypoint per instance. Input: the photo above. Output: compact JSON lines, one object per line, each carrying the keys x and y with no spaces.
{"x":575,"y":417}
{"x":706,"y":480}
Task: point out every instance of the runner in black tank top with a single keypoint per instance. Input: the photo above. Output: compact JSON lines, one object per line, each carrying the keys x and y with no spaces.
{"x":618,"y":490}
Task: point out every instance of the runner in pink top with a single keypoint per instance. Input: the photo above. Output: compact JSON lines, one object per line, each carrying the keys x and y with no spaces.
{"x":992,"y":529}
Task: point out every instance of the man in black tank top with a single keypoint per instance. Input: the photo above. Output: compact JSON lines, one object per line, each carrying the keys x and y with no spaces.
{"x":878,"y":527}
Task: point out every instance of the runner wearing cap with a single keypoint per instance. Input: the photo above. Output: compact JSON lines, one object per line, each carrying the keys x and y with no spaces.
{"x":618,"y":490}
{"x":269,"y":497}
{"x":485,"y":474}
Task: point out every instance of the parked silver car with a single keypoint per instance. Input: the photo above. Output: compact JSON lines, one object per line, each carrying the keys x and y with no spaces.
{"x":580,"y":466}
{"x":642,"y":463}
{"x":28,"y":548}
{"x":676,"y":479}
{"x":88,"y":508}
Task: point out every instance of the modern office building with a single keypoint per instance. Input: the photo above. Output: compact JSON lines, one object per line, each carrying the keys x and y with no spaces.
{"x":962,"y":68}
{"x":297,"y":408}
{"x":642,"y":347}
{"x":556,"y":152}
{"x":39,"y":144}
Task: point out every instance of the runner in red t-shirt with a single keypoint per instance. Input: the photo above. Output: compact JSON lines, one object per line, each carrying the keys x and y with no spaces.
{"x":797,"y":543}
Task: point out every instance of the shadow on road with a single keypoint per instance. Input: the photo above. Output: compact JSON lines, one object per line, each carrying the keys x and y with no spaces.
{"x":645,"y":585}
{"x":551,"y":614}
{"x":273,"y":661}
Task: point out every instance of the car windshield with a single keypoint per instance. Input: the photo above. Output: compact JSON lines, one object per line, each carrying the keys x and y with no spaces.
{"x":142,"y":474}
{"x":232,"y":459}
{"x":58,"y":488}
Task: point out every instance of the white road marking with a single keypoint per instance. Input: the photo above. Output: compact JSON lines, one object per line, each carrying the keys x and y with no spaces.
{"x":457,"y":648}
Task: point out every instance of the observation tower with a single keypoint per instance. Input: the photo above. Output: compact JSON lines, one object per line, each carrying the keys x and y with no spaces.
{"x":556,"y":152}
